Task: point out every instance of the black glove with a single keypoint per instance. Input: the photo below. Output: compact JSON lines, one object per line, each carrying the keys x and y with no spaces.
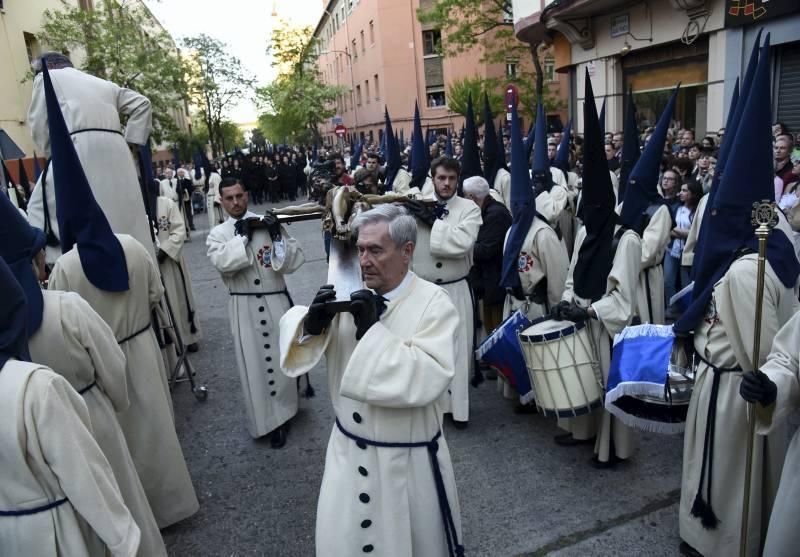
{"x":161,"y":255}
{"x":319,"y":317}
{"x":365,"y":307}
{"x":270,"y":220}
{"x":244,"y":227}
{"x":560,"y":310}
{"x":421,"y":212}
{"x":574,"y":313}
{"x":757,"y":387}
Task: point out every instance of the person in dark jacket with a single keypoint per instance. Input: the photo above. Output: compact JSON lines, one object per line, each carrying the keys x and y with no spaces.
{"x":488,"y":251}
{"x":288,"y":178}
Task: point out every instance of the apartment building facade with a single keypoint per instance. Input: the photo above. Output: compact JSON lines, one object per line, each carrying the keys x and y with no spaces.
{"x":385,"y":57}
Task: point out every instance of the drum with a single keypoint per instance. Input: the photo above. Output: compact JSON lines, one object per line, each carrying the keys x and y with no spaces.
{"x":563,"y":367}
{"x":648,"y":388}
{"x":501,"y":351}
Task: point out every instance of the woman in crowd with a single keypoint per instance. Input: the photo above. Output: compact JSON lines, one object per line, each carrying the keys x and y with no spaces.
{"x":675,"y":277}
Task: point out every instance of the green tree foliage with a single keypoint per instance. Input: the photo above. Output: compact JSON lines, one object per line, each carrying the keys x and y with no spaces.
{"x":231,"y":135}
{"x":297,"y":101}
{"x":217,"y":83}
{"x":460,"y":90}
{"x":121,"y":45}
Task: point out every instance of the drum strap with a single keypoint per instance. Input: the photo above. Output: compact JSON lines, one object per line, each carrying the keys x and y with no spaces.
{"x":702,"y":508}
{"x":455,"y":549}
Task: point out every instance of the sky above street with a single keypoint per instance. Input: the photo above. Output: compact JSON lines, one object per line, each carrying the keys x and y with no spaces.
{"x":244,"y":25}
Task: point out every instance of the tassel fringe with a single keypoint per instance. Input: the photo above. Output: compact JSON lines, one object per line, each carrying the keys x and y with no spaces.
{"x":703,"y":511}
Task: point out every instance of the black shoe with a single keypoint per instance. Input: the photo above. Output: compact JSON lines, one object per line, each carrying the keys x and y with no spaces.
{"x":528,"y":409}
{"x":688,"y":551}
{"x":460,"y":425}
{"x":193,"y":347}
{"x":192,"y":228}
{"x":277,"y":438}
{"x":567,"y":440}
{"x":604,"y":465}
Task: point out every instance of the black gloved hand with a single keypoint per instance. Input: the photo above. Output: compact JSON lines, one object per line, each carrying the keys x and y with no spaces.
{"x":560,"y":310}
{"x":161,"y":255}
{"x":270,"y":220}
{"x":319,"y":317}
{"x":244,"y":227}
{"x":421,"y":212}
{"x":574,"y":313}
{"x":365,"y":307}
{"x":757,"y":387}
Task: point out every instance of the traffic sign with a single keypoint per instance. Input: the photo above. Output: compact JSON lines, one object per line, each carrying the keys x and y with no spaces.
{"x":340,"y":130}
{"x":512,"y":96}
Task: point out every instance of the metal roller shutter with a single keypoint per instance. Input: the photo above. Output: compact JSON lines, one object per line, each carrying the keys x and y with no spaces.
{"x":789,"y":86}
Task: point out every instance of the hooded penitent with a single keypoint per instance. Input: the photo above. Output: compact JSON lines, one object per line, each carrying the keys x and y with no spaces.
{"x":80,"y":219}
{"x":19,"y":243}
{"x":13,"y":318}
{"x":392,"y":153}
{"x":491,"y":154}
{"x":596,"y":255}
{"x":420,"y":163}
{"x":448,"y":147}
{"x":149,"y":189}
{"x":630,"y":145}
{"x":562,"y":155}
{"x":642,"y":191}
{"x":523,"y":206}
{"x":748,"y":179}
{"x":529,"y":140}
{"x":471,"y":157}
{"x":540,"y":169}
{"x":355,"y":158}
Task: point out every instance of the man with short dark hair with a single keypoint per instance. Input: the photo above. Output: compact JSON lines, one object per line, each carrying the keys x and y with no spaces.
{"x":252,"y":253}
{"x":342,"y":177}
{"x":446,"y":236}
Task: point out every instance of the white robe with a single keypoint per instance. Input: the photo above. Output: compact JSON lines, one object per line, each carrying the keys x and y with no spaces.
{"x":177,"y":281}
{"x":47,"y":453}
{"x":89,"y":102}
{"x":443,"y":255}
{"x":502,"y":184}
{"x":655,"y":238}
{"x":384,"y":387}
{"x":147,"y":423}
{"x":615,"y":311}
{"x":724,"y":338}
{"x":213,"y":201}
{"x":783,"y":367}
{"x":687,"y":259}
{"x":77,"y":344}
{"x":253,"y":274}
{"x":169,"y":189}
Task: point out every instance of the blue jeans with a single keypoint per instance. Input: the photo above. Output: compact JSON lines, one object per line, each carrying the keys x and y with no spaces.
{"x":672,"y":277}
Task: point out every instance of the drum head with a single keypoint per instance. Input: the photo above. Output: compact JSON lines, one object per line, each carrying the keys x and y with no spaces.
{"x":545,"y":329}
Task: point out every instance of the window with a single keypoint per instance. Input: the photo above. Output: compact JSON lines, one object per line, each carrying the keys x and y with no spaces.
{"x":31,"y":46}
{"x":358,"y":95}
{"x":430,"y":42}
{"x":435,"y":97}
{"x":366,"y":89}
{"x":511,"y":68}
{"x":377,"y":89}
{"x":363,"y":45}
{"x":371,"y":32}
{"x":508,"y":15}
{"x":549,"y":69}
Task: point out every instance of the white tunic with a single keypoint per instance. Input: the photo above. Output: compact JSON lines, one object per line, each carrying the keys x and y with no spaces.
{"x":443,"y":255}
{"x":253,"y":273}
{"x":213,"y":201}
{"x":782,"y":367}
{"x":502,"y":184}
{"x":615,"y":311}
{"x":77,"y":344}
{"x":725,"y":338}
{"x":655,"y":238}
{"x":88,"y":102}
{"x":687,"y":259}
{"x":171,"y":229}
{"x":147,"y":423}
{"x":384,"y":387}
{"x":169,"y":189}
{"x":47,"y":453}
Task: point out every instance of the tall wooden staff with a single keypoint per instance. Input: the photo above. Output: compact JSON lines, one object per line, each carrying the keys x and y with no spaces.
{"x":765,"y":218}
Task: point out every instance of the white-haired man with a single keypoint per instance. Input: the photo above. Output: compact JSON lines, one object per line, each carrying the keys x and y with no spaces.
{"x":388,"y":485}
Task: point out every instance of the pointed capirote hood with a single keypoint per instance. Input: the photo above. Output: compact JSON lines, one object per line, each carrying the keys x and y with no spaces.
{"x":420,"y":163}
{"x":529,"y":141}
{"x":630,"y":145}
{"x":642,"y":190}
{"x":392,"y":152}
{"x":81,"y":221}
{"x":596,"y":255}
{"x":13,"y":318}
{"x":150,"y":189}
{"x":523,"y":206}
{"x":562,"y":155}
{"x":19,"y":243}
{"x":470,"y":157}
{"x":491,"y":154}
{"x":540,"y":168}
{"x":748,"y":179}
{"x":448,"y":147}
{"x":355,"y":158}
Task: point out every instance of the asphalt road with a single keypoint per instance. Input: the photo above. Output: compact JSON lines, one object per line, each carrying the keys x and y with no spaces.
{"x":520,"y":493}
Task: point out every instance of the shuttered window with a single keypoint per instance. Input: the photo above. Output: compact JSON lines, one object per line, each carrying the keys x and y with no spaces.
{"x":789,"y":87}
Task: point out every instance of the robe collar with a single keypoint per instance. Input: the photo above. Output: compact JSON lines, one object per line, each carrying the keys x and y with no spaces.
{"x":396,"y":292}
{"x":248,"y":214}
